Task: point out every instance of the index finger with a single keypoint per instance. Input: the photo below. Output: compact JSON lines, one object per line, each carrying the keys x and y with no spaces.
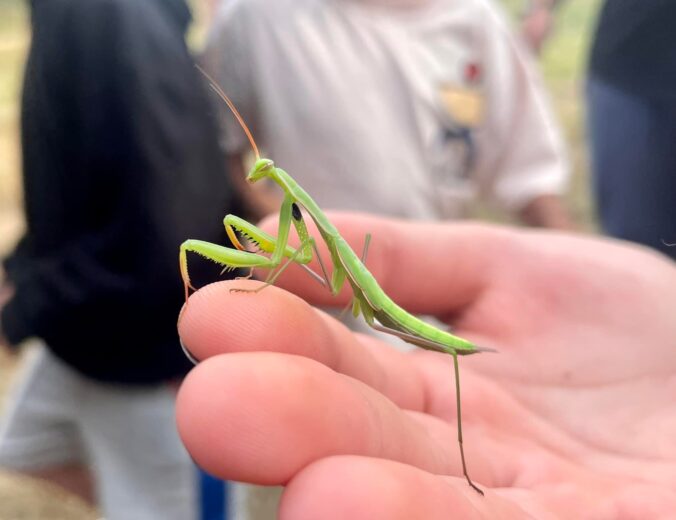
{"x":218,"y":321}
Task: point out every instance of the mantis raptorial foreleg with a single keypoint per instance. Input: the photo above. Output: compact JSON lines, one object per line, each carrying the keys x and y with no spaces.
{"x":239,"y":257}
{"x":222,"y":255}
{"x":267,"y":243}
{"x":270,"y":244}
{"x":278,"y":248}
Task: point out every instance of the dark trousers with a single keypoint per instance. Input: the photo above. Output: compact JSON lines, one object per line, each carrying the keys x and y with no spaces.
{"x":633,"y":148}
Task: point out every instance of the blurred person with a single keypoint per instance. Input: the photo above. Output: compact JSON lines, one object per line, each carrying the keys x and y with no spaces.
{"x":406,"y":108}
{"x":121,"y":162}
{"x":572,"y":418}
{"x":631,"y":98}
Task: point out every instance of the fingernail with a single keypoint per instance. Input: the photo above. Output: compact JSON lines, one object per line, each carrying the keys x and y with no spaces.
{"x":187,"y":353}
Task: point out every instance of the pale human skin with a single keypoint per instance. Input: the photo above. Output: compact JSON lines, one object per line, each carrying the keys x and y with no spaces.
{"x":573,"y":418}
{"x":538,"y":23}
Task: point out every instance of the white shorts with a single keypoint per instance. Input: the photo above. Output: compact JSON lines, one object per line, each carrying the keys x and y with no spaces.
{"x":126,"y":436}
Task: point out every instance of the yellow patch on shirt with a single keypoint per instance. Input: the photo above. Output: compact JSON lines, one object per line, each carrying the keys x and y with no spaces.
{"x":464,"y":104}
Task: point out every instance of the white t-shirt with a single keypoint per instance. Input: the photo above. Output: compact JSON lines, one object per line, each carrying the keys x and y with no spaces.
{"x":404,"y":108}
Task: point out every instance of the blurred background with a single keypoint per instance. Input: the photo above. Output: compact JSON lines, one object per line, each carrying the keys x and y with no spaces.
{"x":562,"y":61}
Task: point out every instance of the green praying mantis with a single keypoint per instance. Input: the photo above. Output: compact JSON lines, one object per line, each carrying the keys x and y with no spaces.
{"x":368,"y":298}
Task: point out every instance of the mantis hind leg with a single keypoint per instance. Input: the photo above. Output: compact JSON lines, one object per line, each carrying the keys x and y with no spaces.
{"x":262,"y":240}
{"x":430,"y":345}
{"x":459,"y":414}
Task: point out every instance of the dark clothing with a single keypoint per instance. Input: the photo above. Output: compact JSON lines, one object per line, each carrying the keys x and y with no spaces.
{"x":121,"y":164}
{"x":631,"y":116}
{"x":635,"y":47}
{"x":634,"y":160}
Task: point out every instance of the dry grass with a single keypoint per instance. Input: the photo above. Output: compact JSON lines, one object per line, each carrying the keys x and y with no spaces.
{"x":13,"y":44}
{"x":14,"y":37}
{"x":22,"y":498}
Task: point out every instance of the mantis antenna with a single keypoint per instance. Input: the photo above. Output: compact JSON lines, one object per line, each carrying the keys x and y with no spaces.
{"x":214,"y":86}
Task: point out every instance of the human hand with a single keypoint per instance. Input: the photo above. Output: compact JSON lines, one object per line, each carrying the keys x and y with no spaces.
{"x":547,"y":211}
{"x":537,"y":25}
{"x":572,"y":419}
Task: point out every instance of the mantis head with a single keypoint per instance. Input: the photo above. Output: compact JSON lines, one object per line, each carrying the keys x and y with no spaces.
{"x":261,"y":168}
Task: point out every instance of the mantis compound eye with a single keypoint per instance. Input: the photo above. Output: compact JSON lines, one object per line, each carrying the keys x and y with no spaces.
{"x":265,"y":164}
